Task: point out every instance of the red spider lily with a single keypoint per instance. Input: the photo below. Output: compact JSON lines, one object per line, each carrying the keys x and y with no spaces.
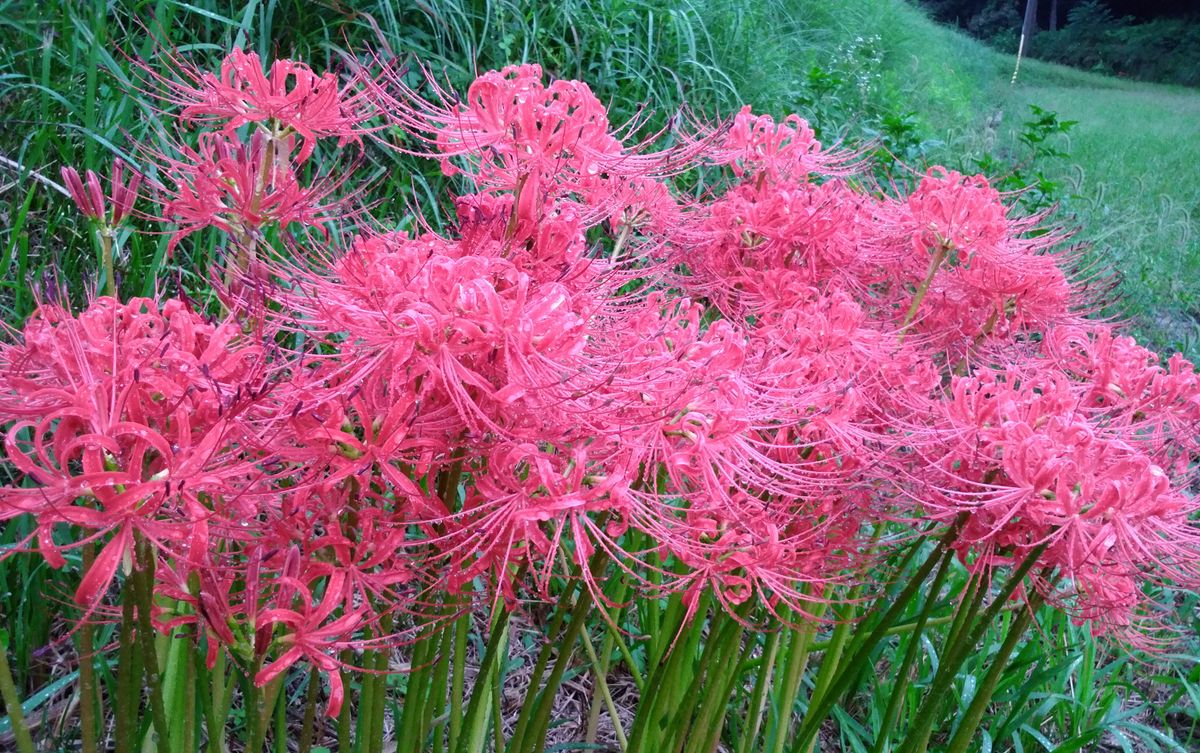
{"x":1042,"y":466}
{"x":542,"y":142}
{"x":755,"y":145}
{"x":126,"y":418}
{"x":314,"y":632}
{"x":90,"y":199}
{"x":288,"y":98}
{"x":716,"y":396}
{"x":965,"y":272}
{"x":241,"y":188}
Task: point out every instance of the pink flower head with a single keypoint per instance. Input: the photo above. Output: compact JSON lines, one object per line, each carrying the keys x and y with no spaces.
{"x":126,"y":419}
{"x":288,"y":98}
{"x":965,"y":272}
{"x":240,"y":188}
{"x":963,"y":212}
{"x":90,"y":199}
{"x":756,"y":145}
{"x":1032,"y":463}
{"x":314,"y":631}
{"x":543,"y":142}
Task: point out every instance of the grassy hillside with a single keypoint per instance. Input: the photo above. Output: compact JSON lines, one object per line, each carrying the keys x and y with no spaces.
{"x":864,"y":71}
{"x":1128,"y":182}
{"x":860,"y":69}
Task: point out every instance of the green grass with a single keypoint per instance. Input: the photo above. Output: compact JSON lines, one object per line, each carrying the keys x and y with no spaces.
{"x":860,"y":68}
{"x":1135,"y":193}
{"x":1129,"y":185}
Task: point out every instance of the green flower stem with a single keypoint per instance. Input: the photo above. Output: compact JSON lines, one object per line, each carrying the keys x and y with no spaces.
{"x":12,"y":704}
{"x":892,"y":712}
{"x":420,"y":685}
{"x":705,"y":728}
{"x":366,"y":706}
{"x":667,"y":681}
{"x":784,"y":694}
{"x":832,"y":658}
{"x":758,"y":697}
{"x":864,"y":642}
{"x":536,"y":741}
{"x":918,"y":737}
{"x":462,"y":627}
{"x":550,"y":641}
{"x":723,"y":629}
{"x":88,"y":700}
{"x":939,"y":256}
{"x":983,"y":695}
{"x":599,"y":671}
{"x":497,"y":697}
{"x":214,"y":702}
{"x":310,"y":713}
{"x":614,"y":635}
{"x":280,"y":740}
{"x":382,"y":670}
{"x":104,"y":235}
{"x":475,"y":720}
{"x":435,"y":706}
{"x":143,"y":588}
{"x":346,"y":717}
{"x":128,"y":690}
{"x":189,"y":701}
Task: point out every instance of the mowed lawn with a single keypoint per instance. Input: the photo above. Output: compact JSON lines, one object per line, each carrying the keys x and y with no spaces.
{"x":1134,"y":176}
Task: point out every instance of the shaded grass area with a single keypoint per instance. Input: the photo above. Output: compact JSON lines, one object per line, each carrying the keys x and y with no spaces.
{"x":861,"y":69}
{"x":1135,"y":193}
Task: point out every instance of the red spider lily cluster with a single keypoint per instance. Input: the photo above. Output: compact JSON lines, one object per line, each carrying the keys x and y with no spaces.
{"x":741,"y":391}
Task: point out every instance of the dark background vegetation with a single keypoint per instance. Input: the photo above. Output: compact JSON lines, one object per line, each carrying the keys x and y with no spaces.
{"x":1149,"y":40}
{"x":1114,"y":157}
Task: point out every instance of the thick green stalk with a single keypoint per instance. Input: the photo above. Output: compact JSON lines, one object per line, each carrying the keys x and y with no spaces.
{"x":892,"y":712}
{"x":667,"y":684}
{"x":12,"y":704}
{"x":346,"y":717}
{"x":758,"y":697}
{"x":723,"y":630}
{"x":252,"y":703}
{"x":475,"y":720}
{"x":382,"y":669}
{"x":614,"y":636}
{"x":128,"y":690}
{"x":435,"y":703}
{"x":104,"y":235}
{"x":216,"y":701}
{"x":784,"y":700}
{"x":366,"y":705}
{"x":715,"y":723}
{"x":600,"y":692}
{"x":310,"y":713}
{"x":939,"y":255}
{"x":281,"y":731}
{"x":705,"y":728}
{"x":419,"y":686}
{"x":189,"y":701}
{"x":918,"y":737}
{"x":462,"y":627}
{"x":983,"y":695}
{"x":535,"y":741}
{"x":864,"y":643}
{"x":497,"y":710}
{"x":550,"y":640}
{"x":831,"y":660}
{"x":143,"y":588}
{"x":88,"y":699}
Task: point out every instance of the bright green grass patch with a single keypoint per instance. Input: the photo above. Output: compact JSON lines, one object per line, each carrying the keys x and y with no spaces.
{"x":1136,"y":194}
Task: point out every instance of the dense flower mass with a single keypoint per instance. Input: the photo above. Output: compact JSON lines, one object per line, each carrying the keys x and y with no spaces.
{"x":735,"y":397}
